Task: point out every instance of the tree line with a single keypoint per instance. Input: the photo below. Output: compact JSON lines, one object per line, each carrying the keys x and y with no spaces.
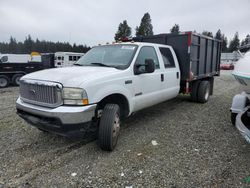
{"x":29,"y":45}
{"x":146,"y":29}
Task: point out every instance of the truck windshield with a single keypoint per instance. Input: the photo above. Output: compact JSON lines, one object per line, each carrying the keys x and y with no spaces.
{"x":118,"y":56}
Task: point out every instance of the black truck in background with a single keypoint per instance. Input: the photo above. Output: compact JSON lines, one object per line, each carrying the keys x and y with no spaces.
{"x":199,"y":60}
{"x":10,"y":73}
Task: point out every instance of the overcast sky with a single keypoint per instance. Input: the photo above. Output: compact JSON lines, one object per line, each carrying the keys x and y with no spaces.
{"x":96,"y":21}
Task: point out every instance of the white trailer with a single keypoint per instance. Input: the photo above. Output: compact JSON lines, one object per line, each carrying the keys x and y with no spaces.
{"x":19,"y":58}
{"x":65,"y":59}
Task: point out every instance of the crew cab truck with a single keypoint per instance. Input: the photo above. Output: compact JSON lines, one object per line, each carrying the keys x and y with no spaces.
{"x":107,"y":84}
{"x":11,"y":72}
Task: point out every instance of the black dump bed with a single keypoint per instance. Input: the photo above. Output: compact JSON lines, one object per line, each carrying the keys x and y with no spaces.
{"x":198,"y":55}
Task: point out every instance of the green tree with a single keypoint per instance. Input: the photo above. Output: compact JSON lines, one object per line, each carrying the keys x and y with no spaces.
{"x":224,"y":43}
{"x":28,"y":44}
{"x":246,"y":40}
{"x":234,"y":43}
{"x":123,"y":31}
{"x":12,"y":45}
{"x":146,"y":27}
{"x":207,"y":33}
{"x":175,"y":29}
{"x":218,"y":35}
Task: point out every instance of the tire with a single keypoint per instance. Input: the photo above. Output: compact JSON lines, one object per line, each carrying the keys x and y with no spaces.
{"x":4,"y":81}
{"x":233,"y":118}
{"x":109,"y":127}
{"x":203,"y":92}
{"x":16,"y":78}
{"x":194,"y":91}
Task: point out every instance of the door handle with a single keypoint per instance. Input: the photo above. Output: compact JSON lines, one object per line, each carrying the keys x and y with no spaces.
{"x":162,"y":77}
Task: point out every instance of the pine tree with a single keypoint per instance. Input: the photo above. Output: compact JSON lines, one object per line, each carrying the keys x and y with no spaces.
{"x":175,"y":29}
{"x":224,"y":43}
{"x":218,"y":35}
{"x":207,"y":33}
{"x":123,"y":31}
{"x":12,"y":45}
{"x":146,"y":27}
{"x":245,"y":41}
{"x":234,"y":43}
{"x":28,"y":44}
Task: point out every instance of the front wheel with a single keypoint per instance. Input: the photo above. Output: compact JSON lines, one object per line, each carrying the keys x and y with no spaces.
{"x":109,"y":127}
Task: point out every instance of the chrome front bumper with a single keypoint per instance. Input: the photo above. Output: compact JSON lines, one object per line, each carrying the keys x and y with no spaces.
{"x":66,"y":114}
{"x":241,"y":120}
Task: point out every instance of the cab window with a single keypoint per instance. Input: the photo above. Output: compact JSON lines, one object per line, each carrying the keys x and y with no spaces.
{"x":147,"y":52}
{"x":167,"y":57}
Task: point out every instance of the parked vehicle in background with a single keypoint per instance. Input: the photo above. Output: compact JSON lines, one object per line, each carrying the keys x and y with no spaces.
{"x":240,"y":109}
{"x":112,"y":82}
{"x":226,"y":66}
{"x":19,"y":58}
{"x":65,"y":59}
{"x":11,"y":72}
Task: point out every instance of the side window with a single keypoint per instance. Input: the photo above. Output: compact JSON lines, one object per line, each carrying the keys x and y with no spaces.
{"x":74,"y":58}
{"x":147,"y":52}
{"x":70,"y":58}
{"x":167,"y":57}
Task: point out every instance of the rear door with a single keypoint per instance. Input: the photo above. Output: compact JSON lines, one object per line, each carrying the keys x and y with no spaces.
{"x":171,"y":75}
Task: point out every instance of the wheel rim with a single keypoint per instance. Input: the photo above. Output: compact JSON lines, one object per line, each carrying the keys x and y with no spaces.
{"x":18,"y":80}
{"x":3,"y":82}
{"x":116,"y":129}
{"x":207,"y":94}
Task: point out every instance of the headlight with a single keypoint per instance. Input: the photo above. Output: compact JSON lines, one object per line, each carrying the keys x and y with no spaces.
{"x":75,"y":96}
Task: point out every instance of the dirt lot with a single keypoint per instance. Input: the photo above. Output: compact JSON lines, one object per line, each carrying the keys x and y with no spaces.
{"x":197,"y":147}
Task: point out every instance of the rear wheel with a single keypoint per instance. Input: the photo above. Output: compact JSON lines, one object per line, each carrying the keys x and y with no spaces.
{"x":203,"y":92}
{"x":109,"y":127}
{"x":233,"y":118}
{"x":4,"y":81}
{"x":16,"y":79}
{"x":194,"y":92}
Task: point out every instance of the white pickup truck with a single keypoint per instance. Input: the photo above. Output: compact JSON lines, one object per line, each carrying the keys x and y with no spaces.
{"x":106,"y":85}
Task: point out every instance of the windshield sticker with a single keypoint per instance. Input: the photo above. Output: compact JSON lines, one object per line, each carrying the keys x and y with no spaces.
{"x":128,"y":47}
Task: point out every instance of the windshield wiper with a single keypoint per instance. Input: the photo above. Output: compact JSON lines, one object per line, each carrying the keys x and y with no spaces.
{"x":101,"y":64}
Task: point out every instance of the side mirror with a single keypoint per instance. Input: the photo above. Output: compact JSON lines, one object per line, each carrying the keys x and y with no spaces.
{"x":149,"y":66}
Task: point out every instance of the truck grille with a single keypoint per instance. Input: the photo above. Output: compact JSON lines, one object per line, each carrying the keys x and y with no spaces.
{"x":41,"y":93}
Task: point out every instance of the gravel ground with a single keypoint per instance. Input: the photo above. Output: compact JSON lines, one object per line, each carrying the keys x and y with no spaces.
{"x":195,"y":146}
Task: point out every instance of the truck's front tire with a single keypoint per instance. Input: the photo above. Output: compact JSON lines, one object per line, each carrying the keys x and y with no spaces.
{"x":203,"y":92}
{"x":4,"y":81}
{"x":109,"y":127}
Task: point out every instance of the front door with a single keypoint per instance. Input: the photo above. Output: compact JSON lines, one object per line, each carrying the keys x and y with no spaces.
{"x":147,"y":86}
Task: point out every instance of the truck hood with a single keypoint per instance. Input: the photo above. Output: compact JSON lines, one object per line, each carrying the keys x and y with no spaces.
{"x":72,"y":76}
